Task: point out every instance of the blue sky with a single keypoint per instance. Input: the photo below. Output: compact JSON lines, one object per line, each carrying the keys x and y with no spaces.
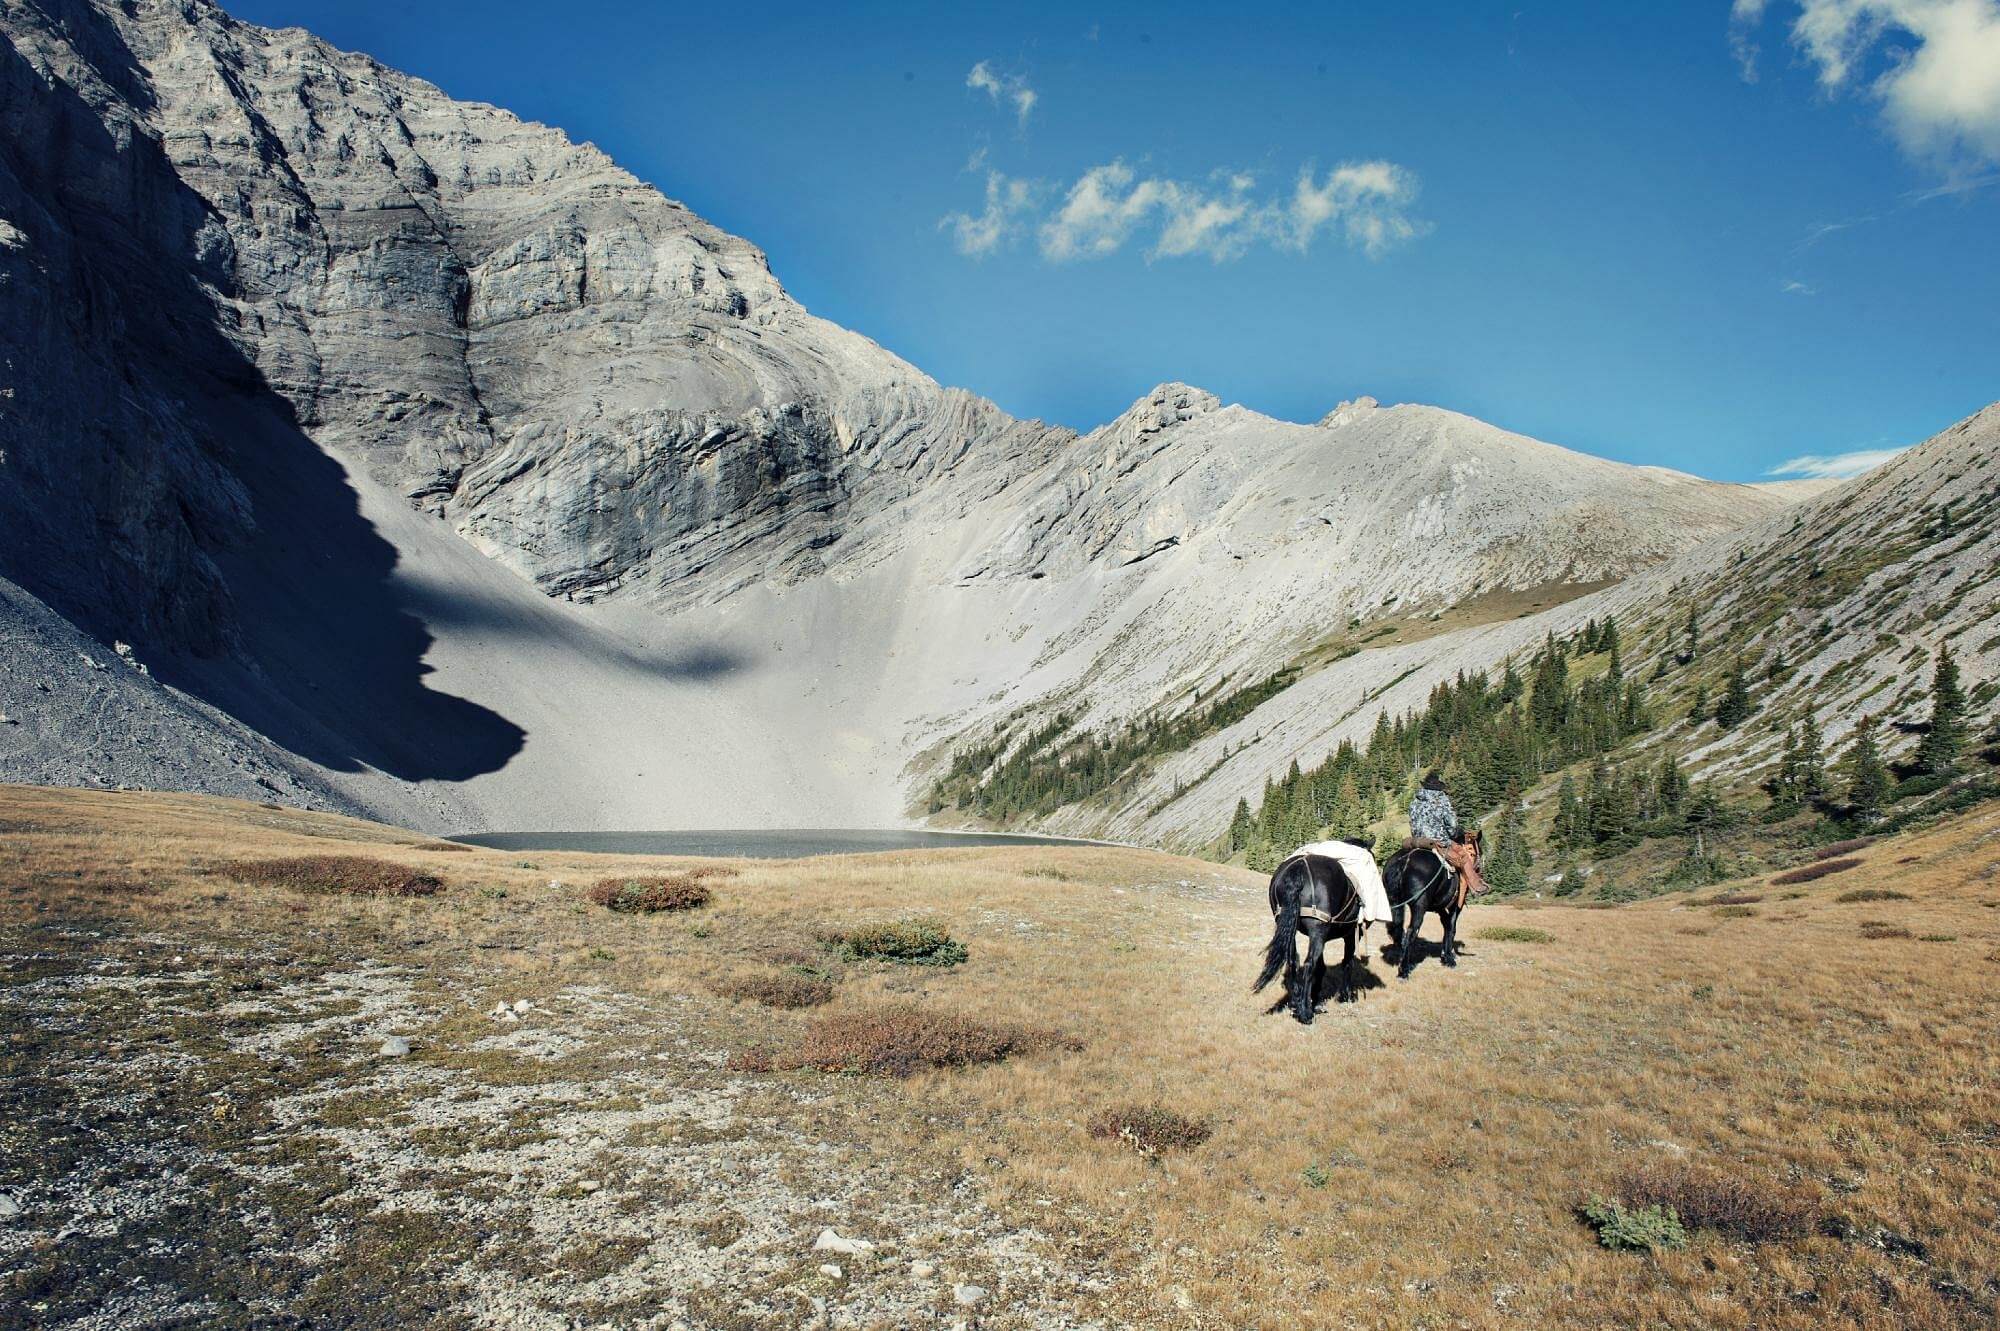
{"x":1664,"y":233}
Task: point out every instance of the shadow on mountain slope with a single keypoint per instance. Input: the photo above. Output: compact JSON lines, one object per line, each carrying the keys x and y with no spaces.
{"x":295,"y":630}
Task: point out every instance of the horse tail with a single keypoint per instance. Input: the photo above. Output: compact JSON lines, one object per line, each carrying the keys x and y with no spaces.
{"x":1280,"y":948}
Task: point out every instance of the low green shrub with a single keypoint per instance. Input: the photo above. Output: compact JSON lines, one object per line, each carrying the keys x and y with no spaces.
{"x":1872,"y":894}
{"x":1515,"y":933}
{"x":1882,"y":929}
{"x":1641,"y":1229}
{"x":1928,"y":784}
{"x":910,"y":942}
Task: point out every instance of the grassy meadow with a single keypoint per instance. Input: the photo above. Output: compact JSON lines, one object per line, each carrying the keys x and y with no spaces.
{"x":1074,"y":1115}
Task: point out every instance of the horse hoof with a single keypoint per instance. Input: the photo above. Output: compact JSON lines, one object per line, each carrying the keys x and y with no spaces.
{"x":1402,"y":975}
{"x":1449,"y":960}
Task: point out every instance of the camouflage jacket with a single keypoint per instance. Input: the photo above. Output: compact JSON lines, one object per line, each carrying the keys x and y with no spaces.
{"x":1432,"y":816}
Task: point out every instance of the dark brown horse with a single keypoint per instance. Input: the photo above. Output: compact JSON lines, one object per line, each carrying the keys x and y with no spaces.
{"x":1311,"y":896}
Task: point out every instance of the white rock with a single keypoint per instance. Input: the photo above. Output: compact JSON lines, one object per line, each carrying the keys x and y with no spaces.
{"x":922,"y":1270}
{"x":590,"y":1185}
{"x":394,"y":1047}
{"x":829,"y":1241}
{"x":9,"y":1207}
{"x":523,"y":1005}
{"x":831,"y":1272}
{"x":968,"y":1295}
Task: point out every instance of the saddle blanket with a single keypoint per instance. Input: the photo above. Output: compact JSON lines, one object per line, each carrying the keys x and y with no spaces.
{"x":1361,"y":870}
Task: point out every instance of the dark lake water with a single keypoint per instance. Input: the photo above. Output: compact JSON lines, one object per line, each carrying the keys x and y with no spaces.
{"x":760,"y":844}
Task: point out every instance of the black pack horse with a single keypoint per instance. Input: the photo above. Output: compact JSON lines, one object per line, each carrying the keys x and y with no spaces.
{"x":1310,"y":895}
{"x":1421,"y":883}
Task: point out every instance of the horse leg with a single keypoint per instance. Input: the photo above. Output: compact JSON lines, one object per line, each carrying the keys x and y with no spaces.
{"x":1347,"y":965}
{"x":1450,"y":954}
{"x":1412,"y":942}
{"x":1304,"y":1002}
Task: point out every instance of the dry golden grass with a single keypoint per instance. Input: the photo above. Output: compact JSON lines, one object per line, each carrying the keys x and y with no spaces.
{"x":1414,"y":1159}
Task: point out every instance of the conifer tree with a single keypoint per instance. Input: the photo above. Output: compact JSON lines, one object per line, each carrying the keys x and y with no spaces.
{"x":1809,"y":764}
{"x":1670,"y":787}
{"x":1783,"y":785}
{"x":1571,"y":829}
{"x":1347,"y":818}
{"x":1939,"y":750}
{"x":1691,"y":635}
{"x":1698,"y":710}
{"x":1508,"y":866}
{"x":1735,"y":707}
{"x":1867,"y":778}
{"x":1637,"y":717}
{"x":1241,"y":825}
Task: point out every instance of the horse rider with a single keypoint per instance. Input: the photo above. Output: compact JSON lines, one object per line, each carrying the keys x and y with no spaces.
{"x":1434,"y":823}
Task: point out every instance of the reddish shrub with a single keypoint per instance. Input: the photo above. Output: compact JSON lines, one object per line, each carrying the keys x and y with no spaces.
{"x":780,"y":989}
{"x":1817,"y":869}
{"x":1754,"y":1210}
{"x":1149,"y":1129}
{"x":655,"y":892}
{"x":1848,"y":847}
{"x":1882,"y":929}
{"x":1734,"y":899}
{"x":898,"y":1039}
{"x":336,"y":875}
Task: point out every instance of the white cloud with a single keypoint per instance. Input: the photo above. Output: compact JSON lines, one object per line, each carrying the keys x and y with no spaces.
{"x":1099,"y":213}
{"x":1008,"y":202}
{"x":1799,"y":289}
{"x":1109,"y":205}
{"x":1744,"y":16}
{"x":1835,"y":466}
{"x":1940,"y":84}
{"x":1012,"y":89}
{"x":1368,"y":199}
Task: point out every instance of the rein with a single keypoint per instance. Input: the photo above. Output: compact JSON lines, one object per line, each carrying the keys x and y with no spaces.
{"x":1398,"y":905}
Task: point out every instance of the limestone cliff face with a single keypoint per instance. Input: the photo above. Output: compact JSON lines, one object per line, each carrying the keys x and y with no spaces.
{"x":247,"y":279}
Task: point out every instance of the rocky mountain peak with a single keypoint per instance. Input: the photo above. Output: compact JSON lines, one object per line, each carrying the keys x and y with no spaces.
{"x":1167,"y":405}
{"x":1348,"y":411}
